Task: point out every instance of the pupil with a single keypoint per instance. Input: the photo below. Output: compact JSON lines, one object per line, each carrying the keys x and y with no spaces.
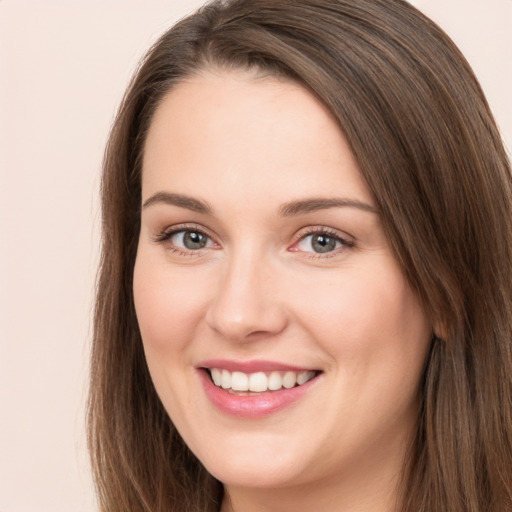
{"x":194,"y":240}
{"x":322,"y":243}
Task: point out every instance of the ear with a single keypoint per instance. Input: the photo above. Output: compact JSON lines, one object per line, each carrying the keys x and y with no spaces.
{"x":440,"y":331}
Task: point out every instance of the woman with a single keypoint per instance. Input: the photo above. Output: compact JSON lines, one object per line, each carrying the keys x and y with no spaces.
{"x":304,"y":300}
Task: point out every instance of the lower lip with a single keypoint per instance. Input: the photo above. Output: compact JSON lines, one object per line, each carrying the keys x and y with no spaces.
{"x":253,"y":406}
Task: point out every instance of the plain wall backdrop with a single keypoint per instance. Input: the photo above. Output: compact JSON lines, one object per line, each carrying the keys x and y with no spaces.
{"x":63,"y":68}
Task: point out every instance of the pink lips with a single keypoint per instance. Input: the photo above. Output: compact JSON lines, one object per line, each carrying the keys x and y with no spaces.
{"x":251,"y":406}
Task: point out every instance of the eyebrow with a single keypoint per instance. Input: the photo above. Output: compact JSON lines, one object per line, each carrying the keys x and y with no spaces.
{"x":190,"y":203}
{"x":314,"y":204}
{"x":293,"y":208}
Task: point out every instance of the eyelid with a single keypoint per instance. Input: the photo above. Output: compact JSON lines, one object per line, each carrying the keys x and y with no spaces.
{"x":167,"y":233}
{"x":346,"y":240}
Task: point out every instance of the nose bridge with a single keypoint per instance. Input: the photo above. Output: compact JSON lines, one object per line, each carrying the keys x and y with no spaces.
{"x":246,"y":303}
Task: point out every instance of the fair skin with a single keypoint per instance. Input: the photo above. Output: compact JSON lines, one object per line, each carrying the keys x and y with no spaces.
{"x":261,"y":251}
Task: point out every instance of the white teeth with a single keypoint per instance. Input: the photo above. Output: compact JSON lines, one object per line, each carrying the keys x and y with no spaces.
{"x":260,"y":381}
{"x":239,"y":381}
{"x":216,"y":376}
{"x":275,"y":381}
{"x":303,"y":377}
{"x":289,"y":380}
{"x":226,"y":379}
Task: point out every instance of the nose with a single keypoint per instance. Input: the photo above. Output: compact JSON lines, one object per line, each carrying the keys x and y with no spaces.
{"x":247,"y":303}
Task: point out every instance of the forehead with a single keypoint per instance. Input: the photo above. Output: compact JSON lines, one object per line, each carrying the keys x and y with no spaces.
{"x":231,"y":133}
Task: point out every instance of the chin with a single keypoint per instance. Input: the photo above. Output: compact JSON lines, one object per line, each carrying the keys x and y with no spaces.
{"x":248,"y":475}
{"x":258,"y":464}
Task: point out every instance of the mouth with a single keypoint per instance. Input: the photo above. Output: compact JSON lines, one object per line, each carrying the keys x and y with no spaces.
{"x":256,"y":389}
{"x":243,"y":384}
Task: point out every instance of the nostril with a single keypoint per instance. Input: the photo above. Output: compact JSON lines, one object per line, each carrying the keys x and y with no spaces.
{"x":242,"y":311}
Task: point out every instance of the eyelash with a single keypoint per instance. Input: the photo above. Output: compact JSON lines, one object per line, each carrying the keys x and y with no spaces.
{"x":330,"y":233}
{"x":166,"y":235}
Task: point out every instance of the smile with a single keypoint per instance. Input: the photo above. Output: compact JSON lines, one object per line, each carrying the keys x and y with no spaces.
{"x":256,"y":389}
{"x":259,"y":382}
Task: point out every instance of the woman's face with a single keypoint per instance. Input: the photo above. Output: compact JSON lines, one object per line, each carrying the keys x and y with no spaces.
{"x":263,"y":264}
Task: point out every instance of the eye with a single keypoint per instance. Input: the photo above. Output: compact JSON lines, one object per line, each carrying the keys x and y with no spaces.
{"x":186,"y":240}
{"x":321,"y":242}
{"x":190,"y":239}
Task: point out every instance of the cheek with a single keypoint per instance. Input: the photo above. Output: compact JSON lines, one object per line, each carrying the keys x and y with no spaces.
{"x":375,"y":333}
{"x":367,"y":318}
{"x":169,"y":306}
{"x":169,"y":310}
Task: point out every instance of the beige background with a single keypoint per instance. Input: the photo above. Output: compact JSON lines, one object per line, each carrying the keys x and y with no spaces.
{"x":63,"y":68}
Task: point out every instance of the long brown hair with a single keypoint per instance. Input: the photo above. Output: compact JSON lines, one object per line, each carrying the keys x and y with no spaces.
{"x":428,"y":147}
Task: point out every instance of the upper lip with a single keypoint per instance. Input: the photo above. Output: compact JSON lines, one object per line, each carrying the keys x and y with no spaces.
{"x":252,"y":366}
